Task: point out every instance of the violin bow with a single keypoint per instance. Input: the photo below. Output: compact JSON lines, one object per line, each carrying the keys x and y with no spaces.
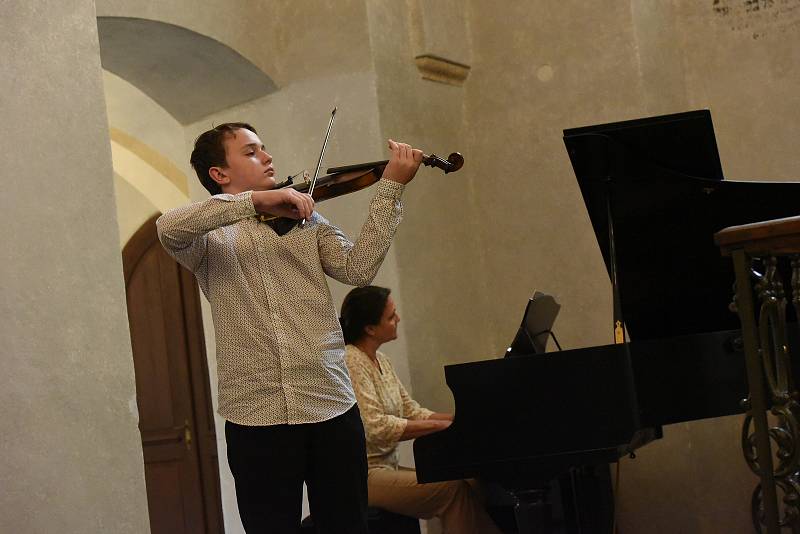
{"x":321,"y":155}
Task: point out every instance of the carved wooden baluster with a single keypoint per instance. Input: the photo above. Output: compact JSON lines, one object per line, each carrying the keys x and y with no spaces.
{"x":769,"y":370}
{"x":755,"y":445}
{"x":779,"y":399}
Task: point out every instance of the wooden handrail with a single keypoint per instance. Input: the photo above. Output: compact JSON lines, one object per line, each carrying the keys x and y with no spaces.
{"x":776,"y":237}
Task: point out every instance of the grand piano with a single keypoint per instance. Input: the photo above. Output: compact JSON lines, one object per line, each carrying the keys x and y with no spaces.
{"x":655,"y":195}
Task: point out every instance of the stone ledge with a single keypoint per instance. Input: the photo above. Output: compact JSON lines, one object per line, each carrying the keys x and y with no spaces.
{"x":439,"y":69}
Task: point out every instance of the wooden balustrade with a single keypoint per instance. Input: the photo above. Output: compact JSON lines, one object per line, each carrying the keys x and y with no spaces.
{"x":770,"y":440}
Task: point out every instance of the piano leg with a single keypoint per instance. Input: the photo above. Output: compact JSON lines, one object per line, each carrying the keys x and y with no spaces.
{"x":579,"y":501}
{"x":588,"y":500}
{"x":532,"y":511}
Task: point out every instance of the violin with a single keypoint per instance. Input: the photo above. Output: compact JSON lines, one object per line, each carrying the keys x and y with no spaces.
{"x":351,"y":178}
{"x":348,"y":179}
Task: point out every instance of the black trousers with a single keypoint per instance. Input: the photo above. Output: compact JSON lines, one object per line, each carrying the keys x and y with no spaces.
{"x":270,"y":464}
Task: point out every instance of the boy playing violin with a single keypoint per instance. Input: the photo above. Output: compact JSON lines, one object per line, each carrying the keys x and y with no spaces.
{"x":284,"y":391}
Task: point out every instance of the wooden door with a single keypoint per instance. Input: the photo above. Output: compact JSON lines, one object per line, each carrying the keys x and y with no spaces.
{"x":172,"y":390}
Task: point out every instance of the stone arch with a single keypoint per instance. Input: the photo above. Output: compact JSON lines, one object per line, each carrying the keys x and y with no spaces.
{"x":189,"y":74}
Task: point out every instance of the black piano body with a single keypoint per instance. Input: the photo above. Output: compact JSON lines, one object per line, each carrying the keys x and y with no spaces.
{"x":655,"y":195}
{"x":524,"y":420}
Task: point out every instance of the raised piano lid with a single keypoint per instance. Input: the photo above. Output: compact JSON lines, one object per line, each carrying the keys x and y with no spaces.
{"x":663,"y":179}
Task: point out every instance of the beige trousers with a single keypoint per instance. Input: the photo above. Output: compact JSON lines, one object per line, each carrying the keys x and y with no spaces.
{"x":457,"y":503}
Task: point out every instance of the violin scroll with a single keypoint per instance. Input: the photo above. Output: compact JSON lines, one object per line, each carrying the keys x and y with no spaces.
{"x":453,"y":162}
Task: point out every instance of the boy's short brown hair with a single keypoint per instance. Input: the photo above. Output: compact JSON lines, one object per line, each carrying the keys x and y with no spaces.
{"x":209,"y":151}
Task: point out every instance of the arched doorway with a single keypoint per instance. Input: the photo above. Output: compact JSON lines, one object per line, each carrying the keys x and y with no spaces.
{"x":172,"y":389}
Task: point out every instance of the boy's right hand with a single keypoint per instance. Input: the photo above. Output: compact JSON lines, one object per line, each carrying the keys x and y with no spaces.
{"x":284,"y":202}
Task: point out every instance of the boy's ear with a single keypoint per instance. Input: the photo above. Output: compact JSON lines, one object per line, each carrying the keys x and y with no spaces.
{"x":218,"y":175}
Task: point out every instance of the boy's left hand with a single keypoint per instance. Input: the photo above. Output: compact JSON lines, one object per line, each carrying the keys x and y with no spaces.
{"x":403,"y":163}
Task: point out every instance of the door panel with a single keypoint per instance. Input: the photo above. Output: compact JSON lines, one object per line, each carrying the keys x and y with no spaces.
{"x":181,"y":470}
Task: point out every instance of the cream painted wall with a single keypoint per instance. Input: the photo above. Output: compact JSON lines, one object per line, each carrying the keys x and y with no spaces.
{"x":744,"y":66}
{"x":289,"y":41}
{"x":540,"y":67}
{"x":147,"y":146}
{"x":741,"y":64}
{"x":72,"y":458}
{"x":133,"y":209}
{"x":436,"y":255}
{"x":470,"y":255}
{"x":136,"y":115}
{"x":473,"y":250}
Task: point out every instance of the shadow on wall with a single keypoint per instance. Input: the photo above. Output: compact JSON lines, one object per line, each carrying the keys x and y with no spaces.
{"x":169,"y":63}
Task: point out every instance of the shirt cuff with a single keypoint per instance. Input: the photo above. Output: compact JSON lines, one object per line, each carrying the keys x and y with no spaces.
{"x":398,"y":428}
{"x":390,"y":189}
{"x":426,"y":413}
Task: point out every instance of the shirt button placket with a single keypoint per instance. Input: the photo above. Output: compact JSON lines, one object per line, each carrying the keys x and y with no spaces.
{"x":267,"y":276}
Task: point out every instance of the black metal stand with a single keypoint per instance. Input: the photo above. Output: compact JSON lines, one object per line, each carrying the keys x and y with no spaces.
{"x":532,"y":511}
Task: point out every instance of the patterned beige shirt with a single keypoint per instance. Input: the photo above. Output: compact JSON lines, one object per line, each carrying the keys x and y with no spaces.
{"x":280,"y":350}
{"x":385,"y":406}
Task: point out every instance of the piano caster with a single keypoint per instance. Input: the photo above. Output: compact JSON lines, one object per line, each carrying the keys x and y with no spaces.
{"x":532,"y":511}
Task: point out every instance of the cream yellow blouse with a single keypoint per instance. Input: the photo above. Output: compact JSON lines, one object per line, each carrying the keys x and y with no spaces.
{"x":385,"y":406}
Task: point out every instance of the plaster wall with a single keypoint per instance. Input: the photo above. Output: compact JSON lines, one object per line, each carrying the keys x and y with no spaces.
{"x":134,"y":114}
{"x":740,"y":61}
{"x":72,"y":458}
{"x":538,"y":68}
{"x":154,"y":144}
{"x":437,"y":255}
{"x":473,"y":249}
{"x":289,"y":41}
{"x":133,"y":209}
